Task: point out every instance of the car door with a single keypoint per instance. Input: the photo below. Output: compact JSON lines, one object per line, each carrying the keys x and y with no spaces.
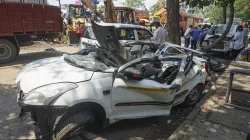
{"x":133,"y":95}
{"x":139,"y":98}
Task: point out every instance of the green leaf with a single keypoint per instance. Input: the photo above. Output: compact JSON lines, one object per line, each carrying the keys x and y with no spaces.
{"x":135,"y":3}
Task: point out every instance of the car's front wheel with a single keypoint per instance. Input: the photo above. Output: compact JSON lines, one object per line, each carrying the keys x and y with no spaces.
{"x":192,"y":97}
{"x":73,"y":127}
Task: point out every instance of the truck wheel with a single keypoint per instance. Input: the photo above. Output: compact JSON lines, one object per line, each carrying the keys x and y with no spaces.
{"x":192,"y":97}
{"x":73,"y":126}
{"x":8,"y":51}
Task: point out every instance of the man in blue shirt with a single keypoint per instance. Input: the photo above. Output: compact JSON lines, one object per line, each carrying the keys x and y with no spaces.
{"x":195,"y":37}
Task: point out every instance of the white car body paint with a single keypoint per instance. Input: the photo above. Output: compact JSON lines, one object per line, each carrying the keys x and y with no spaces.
{"x":127,"y":99}
{"x":90,"y":91}
{"x":48,"y":71}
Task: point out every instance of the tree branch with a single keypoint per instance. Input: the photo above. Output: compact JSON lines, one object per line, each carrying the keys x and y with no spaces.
{"x":231,"y":18}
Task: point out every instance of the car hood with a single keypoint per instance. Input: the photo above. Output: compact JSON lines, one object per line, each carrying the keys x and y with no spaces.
{"x":47,"y":71}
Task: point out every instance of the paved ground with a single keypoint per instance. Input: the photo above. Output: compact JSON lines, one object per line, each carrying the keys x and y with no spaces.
{"x":211,"y":120}
{"x":10,"y":125}
{"x":12,"y":128}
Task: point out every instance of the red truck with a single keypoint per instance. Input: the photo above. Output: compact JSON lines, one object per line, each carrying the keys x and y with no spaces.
{"x":20,"y":20}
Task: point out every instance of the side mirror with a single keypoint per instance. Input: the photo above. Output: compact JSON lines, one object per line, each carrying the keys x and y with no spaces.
{"x":133,"y":74}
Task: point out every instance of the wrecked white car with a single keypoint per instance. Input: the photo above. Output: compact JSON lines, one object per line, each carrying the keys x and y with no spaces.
{"x":210,"y":62}
{"x":70,"y":94}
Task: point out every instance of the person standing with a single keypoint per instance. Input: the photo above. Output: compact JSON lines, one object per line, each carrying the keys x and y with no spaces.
{"x":195,"y":37}
{"x":79,"y":31}
{"x":239,"y":42}
{"x":202,"y":35}
{"x":159,"y":34}
{"x":187,"y":36}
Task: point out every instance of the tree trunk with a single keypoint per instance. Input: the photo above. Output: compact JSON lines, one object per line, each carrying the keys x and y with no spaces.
{"x":230,"y":22}
{"x":224,"y":13}
{"x":173,"y":22}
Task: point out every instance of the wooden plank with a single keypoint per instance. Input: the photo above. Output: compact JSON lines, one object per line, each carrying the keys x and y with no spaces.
{"x":240,"y":67}
{"x":238,"y":107}
{"x":240,"y":90}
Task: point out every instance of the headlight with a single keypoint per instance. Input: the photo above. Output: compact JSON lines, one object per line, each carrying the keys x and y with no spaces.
{"x":47,"y":94}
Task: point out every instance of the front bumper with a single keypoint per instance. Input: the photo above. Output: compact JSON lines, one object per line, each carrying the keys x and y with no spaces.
{"x":45,"y":117}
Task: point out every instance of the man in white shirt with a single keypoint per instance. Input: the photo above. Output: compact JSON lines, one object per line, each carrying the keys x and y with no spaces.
{"x":238,"y":39}
{"x":187,"y":36}
{"x":159,"y":34}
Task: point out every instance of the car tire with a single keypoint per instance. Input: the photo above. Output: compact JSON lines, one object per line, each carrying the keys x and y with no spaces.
{"x":73,"y":126}
{"x":12,"y":51}
{"x":192,"y":97}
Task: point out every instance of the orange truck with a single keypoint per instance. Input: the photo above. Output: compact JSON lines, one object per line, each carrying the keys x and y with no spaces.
{"x":185,"y":19}
{"x":142,"y":16}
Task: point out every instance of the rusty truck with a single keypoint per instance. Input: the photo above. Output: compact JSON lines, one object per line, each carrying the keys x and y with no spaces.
{"x":22,"y":19}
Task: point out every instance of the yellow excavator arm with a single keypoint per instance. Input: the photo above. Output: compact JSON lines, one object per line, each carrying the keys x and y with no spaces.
{"x":109,"y":11}
{"x":88,"y":4}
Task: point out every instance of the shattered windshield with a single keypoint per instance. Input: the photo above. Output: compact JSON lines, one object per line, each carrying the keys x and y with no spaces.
{"x":221,"y":28}
{"x":86,"y":61}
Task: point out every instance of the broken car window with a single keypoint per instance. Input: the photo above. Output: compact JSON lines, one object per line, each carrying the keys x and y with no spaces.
{"x":86,"y":61}
{"x":172,"y":51}
{"x":126,"y":34}
{"x":143,"y":34}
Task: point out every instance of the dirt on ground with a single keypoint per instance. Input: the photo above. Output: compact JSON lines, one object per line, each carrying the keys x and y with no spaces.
{"x":12,"y":128}
{"x":39,"y":46}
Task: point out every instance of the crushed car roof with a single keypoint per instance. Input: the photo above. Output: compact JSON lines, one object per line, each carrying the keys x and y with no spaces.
{"x":184,"y":48}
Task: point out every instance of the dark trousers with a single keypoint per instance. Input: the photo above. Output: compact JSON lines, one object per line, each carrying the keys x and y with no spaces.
{"x":193,"y":44}
{"x":187,"y":42}
{"x":235,"y":53}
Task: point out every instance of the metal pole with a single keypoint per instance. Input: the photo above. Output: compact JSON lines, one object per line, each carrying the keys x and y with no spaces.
{"x":61,"y":20}
{"x":231,"y":77}
{"x":60,"y":4}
